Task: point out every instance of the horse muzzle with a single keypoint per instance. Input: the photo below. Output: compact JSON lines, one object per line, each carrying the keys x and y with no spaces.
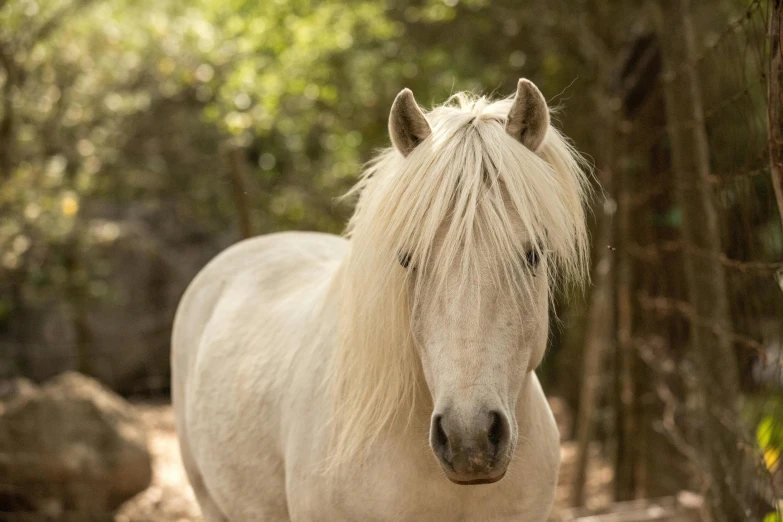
{"x":473,"y":449}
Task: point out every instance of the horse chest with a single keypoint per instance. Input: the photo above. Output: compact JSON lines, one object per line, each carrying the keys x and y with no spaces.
{"x":417,"y":501}
{"x":391,"y":488}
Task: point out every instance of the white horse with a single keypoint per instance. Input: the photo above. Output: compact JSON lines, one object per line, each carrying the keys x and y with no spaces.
{"x":309,"y":368}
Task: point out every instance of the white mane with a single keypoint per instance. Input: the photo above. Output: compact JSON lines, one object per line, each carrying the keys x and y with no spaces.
{"x":456,"y":188}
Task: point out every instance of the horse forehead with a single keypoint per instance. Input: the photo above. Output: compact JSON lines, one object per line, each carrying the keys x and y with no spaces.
{"x":488,"y":289}
{"x":514,"y":222}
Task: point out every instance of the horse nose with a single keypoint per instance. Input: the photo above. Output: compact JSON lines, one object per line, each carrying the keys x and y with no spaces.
{"x":471,"y":448}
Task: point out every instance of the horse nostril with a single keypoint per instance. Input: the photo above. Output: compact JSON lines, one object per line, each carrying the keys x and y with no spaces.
{"x":497,"y":433}
{"x":440,"y":441}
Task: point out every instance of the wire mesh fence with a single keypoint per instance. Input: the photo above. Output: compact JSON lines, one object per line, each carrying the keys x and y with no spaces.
{"x":694,"y":381}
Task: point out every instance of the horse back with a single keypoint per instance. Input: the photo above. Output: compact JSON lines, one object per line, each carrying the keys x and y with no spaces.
{"x":256,"y":271}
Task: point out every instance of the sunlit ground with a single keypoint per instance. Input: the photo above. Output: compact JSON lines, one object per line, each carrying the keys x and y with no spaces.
{"x":170,"y":499}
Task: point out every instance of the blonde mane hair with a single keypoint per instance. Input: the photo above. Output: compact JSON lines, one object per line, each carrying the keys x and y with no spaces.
{"x":457,"y":187}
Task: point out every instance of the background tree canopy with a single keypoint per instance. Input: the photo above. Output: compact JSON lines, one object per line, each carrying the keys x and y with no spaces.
{"x":189,"y":116}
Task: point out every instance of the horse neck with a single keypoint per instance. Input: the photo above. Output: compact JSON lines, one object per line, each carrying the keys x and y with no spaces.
{"x":423,"y":403}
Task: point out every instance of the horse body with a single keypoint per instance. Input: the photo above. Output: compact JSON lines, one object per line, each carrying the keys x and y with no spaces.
{"x":249,"y":399}
{"x":307,"y":369}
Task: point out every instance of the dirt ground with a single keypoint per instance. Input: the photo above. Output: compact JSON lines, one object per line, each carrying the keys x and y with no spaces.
{"x":170,"y":499}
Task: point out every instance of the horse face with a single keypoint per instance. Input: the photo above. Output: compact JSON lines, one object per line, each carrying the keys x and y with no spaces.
{"x":477,"y":349}
{"x":479,"y":323}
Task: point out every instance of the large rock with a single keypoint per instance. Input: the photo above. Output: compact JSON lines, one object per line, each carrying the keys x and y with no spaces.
{"x":70,"y":449}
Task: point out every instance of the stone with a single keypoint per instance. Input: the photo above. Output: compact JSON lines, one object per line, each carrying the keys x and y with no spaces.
{"x":70,"y":448}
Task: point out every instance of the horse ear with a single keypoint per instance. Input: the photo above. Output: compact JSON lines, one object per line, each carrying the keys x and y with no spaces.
{"x":407,"y":125}
{"x":528,"y":119}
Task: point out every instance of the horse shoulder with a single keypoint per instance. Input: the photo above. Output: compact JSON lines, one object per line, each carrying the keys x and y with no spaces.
{"x":235,"y":332}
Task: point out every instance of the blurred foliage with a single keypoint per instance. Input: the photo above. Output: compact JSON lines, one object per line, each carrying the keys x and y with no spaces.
{"x":127,"y":101}
{"x":775,"y":516}
{"x":134,"y":103}
{"x":769,"y":434}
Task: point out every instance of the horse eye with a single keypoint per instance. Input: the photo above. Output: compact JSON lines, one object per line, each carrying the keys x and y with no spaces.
{"x":405,"y":259}
{"x":533,"y":257}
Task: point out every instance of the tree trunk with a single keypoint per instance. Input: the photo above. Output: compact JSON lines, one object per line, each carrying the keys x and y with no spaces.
{"x":599,"y":332}
{"x":625,"y":483}
{"x":715,"y":363}
{"x":598,"y":335}
{"x":77,"y":298}
{"x":236,"y":168}
{"x":775,"y":101}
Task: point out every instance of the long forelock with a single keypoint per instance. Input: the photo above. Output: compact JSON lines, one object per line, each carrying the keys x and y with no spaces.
{"x":460,"y":190}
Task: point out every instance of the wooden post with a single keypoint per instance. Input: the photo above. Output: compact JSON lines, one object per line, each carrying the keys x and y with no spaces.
{"x":775,"y":102}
